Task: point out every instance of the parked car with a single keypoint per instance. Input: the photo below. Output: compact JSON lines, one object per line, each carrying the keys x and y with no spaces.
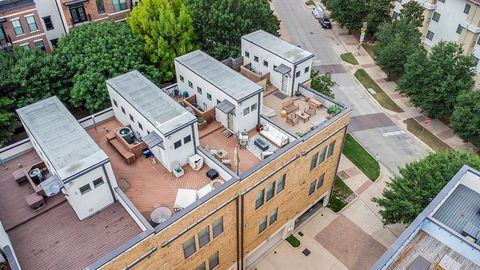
{"x":325,"y":23}
{"x":318,"y":12}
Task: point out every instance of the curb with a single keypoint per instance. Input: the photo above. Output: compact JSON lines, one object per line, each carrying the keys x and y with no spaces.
{"x":345,"y":207}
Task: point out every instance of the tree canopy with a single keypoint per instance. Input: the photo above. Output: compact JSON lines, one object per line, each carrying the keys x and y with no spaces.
{"x":434,"y":81}
{"x":412,"y":11}
{"x":466,"y":116}
{"x":405,"y":197}
{"x":322,"y":83}
{"x":93,"y":53}
{"x":166,"y":27}
{"x":221,"y":23}
{"x":378,"y":13}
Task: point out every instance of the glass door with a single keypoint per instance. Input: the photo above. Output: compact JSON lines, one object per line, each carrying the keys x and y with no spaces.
{"x":78,"y":14}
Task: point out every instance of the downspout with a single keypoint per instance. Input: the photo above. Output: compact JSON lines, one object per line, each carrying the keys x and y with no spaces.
{"x":238,"y":232}
{"x":293,"y":79}
{"x":242,"y":225}
{"x":258,"y":109}
{"x":64,"y":21}
{"x":109,"y":184}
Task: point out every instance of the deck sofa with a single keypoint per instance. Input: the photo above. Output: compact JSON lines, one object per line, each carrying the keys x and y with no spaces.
{"x":274,"y":135}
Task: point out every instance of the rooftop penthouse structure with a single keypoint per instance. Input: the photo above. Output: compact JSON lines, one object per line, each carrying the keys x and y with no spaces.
{"x":210,"y":169}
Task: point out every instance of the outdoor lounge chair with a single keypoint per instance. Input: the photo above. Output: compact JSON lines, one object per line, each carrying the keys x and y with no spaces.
{"x":292,"y":119}
{"x":289,"y":106}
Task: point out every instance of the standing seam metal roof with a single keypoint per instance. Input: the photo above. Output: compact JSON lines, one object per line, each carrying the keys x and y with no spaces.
{"x":224,"y":78}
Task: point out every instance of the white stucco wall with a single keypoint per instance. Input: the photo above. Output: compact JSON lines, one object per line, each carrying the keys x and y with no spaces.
{"x":249,"y":121}
{"x":48,"y":8}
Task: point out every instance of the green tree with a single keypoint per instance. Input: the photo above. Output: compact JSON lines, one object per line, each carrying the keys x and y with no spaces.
{"x":434,"y":81}
{"x":322,"y":83}
{"x":221,"y":23}
{"x":166,"y":27}
{"x":412,"y":11}
{"x":378,"y":13}
{"x":396,"y":41}
{"x":349,"y":13}
{"x":91,"y":54}
{"x":418,"y":183}
{"x":8,"y":120}
{"x":466,"y":116}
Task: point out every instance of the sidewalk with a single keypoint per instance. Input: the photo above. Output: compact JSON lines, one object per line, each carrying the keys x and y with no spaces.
{"x":366,"y":62}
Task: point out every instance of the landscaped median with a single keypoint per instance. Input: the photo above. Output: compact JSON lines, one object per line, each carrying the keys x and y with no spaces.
{"x":382,"y":98}
{"x":361,"y":158}
{"x":349,"y":58}
{"x":341,"y":196}
{"x":426,"y":136}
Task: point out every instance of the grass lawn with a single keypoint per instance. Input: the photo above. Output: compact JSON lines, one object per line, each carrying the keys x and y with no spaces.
{"x":426,"y":136}
{"x":340,"y":192}
{"x":379,"y":95}
{"x":349,"y":58}
{"x":361,"y":158}
{"x":310,"y":3}
{"x":293,"y":241}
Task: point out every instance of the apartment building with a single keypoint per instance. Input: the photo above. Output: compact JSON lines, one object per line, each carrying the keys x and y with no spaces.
{"x":449,"y":20}
{"x":446,"y":234}
{"x":193,"y":190}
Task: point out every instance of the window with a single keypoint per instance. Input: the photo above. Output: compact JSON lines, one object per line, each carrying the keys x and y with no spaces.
{"x":323,"y":153}
{"x":436,"y":16}
{"x":131,"y":118}
{"x":320,"y":181}
{"x":259,"y":199}
{"x":476,"y":60}
{"x":253,"y":107}
{"x":209,"y":97}
{"x":54,"y":42}
{"x":217,"y":227}
{"x":246,"y":111}
{"x":270,"y":191}
{"x":331,"y":147}
{"x":247,"y":54}
{"x":218,"y":101}
{"x":307,"y":69}
{"x":85,"y":189}
{"x":32,"y":24}
{"x":181,"y":78}
{"x":187,"y":139}
{"x":459,"y":29}
{"x":312,"y":187}
{"x":313,"y":162}
{"x":430,"y":35}
{"x":17,"y":27}
{"x":213,"y":261}
{"x":78,"y":14}
{"x":39,"y":44}
{"x":478,"y":41}
{"x":204,"y":236}
{"x":100,"y":6}
{"x":119,"y":5}
{"x":255,"y":58}
{"x":274,"y":67}
{"x":466,"y":10}
{"x":281,"y":184}
{"x":123,"y":110}
{"x":25,"y":46}
{"x":443,"y":1}
{"x":265,"y":63}
{"x":48,"y":23}
{"x":273,"y":216}
{"x":199,"y":90}
{"x":190,"y":84}
{"x":297,"y":74}
{"x":177,"y":144}
{"x":140,"y":126}
{"x":189,"y":247}
{"x":115,"y":102}
{"x":263,"y":225}
{"x":97,"y":182}
{"x":201,"y":266}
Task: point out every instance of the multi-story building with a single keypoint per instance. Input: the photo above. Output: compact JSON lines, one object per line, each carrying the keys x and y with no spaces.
{"x":449,"y":20}
{"x":210,"y":173}
{"x":446,"y":235}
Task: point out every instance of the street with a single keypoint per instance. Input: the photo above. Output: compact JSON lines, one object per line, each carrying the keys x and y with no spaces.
{"x":373,"y":128}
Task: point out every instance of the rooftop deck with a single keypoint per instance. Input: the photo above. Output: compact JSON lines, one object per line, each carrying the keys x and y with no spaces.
{"x":148,"y":185}
{"x":274,"y":101}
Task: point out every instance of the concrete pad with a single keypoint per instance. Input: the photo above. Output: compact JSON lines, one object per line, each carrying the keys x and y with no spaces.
{"x":356,"y":182}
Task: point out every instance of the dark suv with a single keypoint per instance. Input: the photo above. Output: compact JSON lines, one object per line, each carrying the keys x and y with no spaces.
{"x":325,"y":23}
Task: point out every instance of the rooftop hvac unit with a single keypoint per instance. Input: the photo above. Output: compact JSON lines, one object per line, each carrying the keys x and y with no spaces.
{"x":126,"y":134}
{"x":36,"y":175}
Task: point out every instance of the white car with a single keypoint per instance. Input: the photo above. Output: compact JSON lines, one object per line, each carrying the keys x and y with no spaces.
{"x":318,"y":12}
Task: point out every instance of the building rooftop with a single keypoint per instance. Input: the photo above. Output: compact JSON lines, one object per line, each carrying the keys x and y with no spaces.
{"x":278,"y":46}
{"x":224,"y":78}
{"x":7,"y":5}
{"x":65,"y":143}
{"x":154,"y":104}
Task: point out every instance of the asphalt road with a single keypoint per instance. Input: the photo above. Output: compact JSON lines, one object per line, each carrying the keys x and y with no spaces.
{"x":393,"y":145}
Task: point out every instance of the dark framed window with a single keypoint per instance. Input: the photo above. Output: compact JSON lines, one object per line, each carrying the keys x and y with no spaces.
{"x":190,"y":84}
{"x":177,"y":144}
{"x":187,"y":139}
{"x":436,"y":16}
{"x":218,"y":101}
{"x":253,"y":107}
{"x":209,"y":97}
{"x":115,"y":102}
{"x":312,"y":187}
{"x":140,"y":126}
{"x":443,"y":1}
{"x":204,"y":236}
{"x":131,"y":118}
{"x":201,"y":266}
{"x":466,"y":10}
{"x":2,"y":33}
{"x":123,"y":110}
{"x":265,"y":63}
{"x":270,"y":191}
{"x":181,"y":78}
{"x":313,"y":161}
{"x":84,"y":189}
{"x":430,"y":35}
{"x":78,"y":14}
{"x":39,"y":44}
{"x":281,"y":183}
{"x":331,"y":148}
{"x":119,"y":5}
{"x":25,"y":46}
{"x":323,"y":154}
{"x":213,"y":262}
{"x":17,"y":27}
{"x":259,"y":198}
{"x":100,"y":6}
{"x":459,"y":29}
{"x":320,"y":180}
{"x":98,"y":182}
{"x":297,"y":74}
{"x":199,"y":90}
{"x":307,"y":69}
{"x":247,"y":54}
{"x":263,"y":225}
{"x":255,"y":58}
{"x":217,"y":227}
{"x":54,"y":42}
{"x":48,"y":23}
{"x":246,"y":111}
{"x":189,"y":247}
{"x":32,"y":24}
{"x":273,"y":216}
